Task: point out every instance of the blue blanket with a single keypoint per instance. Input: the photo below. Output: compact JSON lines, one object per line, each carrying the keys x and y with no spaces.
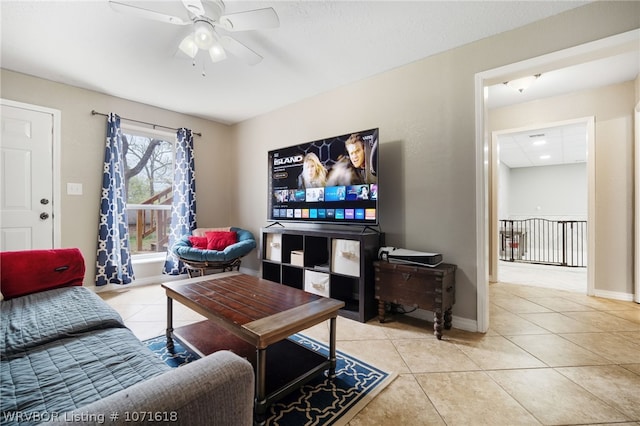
{"x":63,"y":349}
{"x":39,"y":318}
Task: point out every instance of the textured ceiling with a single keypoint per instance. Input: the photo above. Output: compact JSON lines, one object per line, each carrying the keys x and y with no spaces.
{"x":319,"y":46}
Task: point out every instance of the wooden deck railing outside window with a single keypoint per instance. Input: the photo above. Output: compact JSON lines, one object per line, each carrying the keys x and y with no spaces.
{"x":149,"y":223}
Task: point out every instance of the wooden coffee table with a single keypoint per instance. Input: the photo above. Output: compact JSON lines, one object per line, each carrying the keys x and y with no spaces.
{"x":253,"y":317}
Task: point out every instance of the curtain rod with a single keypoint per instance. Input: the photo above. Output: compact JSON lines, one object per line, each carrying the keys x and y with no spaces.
{"x":94,"y":112}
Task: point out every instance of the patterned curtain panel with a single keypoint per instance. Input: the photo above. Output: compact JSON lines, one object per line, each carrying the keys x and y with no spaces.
{"x":183,"y":208}
{"x":114,"y":258}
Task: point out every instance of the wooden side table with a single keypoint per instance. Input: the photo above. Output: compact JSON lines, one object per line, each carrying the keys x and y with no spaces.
{"x":417,"y":286}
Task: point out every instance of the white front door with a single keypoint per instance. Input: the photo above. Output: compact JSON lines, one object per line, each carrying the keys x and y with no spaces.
{"x":26,"y":179}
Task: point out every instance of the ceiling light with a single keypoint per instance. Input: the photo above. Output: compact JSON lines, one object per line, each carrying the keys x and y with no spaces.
{"x":217,"y":53}
{"x":204,"y":37}
{"x":545,"y":157}
{"x":188,"y":46}
{"x":521,"y":84}
{"x":539,"y":142}
{"x":203,"y":34}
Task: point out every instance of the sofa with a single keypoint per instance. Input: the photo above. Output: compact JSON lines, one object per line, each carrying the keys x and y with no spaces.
{"x":67,"y":357}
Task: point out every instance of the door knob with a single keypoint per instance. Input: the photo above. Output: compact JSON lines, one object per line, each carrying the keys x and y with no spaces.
{"x":44,"y":201}
{"x":44,"y":216}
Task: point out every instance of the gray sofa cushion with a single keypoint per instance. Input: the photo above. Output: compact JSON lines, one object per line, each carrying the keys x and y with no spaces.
{"x":67,"y":352}
{"x":39,"y":318}
{"x":70,"y":373}
{"x":216,"y":390}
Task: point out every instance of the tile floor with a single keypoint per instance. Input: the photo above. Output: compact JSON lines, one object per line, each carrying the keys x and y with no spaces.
{"x":551,"y":357}
{"x":546,"y":276}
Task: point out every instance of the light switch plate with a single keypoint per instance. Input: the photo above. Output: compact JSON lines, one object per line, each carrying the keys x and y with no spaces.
{"x":74,"y":189}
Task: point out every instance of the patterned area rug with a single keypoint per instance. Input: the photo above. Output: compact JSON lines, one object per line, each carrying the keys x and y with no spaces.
{"x":319,"y":402}
{"x":180,"y":354}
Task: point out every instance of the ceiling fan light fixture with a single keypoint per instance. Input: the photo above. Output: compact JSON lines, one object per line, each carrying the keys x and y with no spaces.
{"x":217,"y":53}
{"x":205,"y":16}
{"x":203,"y":34}
{"x":188,"y":46}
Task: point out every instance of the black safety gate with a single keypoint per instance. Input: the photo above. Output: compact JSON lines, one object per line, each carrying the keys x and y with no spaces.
{"x":543,"y":241}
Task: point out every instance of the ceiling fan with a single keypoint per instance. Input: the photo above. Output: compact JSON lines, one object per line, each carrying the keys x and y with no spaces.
{"x":205,"y":18}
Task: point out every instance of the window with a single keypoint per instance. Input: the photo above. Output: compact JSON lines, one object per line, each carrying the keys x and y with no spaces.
{"x":149,"y":165}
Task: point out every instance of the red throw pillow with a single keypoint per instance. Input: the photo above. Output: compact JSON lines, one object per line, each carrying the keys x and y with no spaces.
{"x":198,"y":242}
{"x":220,"y":240}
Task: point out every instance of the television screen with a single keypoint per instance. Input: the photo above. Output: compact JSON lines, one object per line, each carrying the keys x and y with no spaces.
{"x":332,"y":180}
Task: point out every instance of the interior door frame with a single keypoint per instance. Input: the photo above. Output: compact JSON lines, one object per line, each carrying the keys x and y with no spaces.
{"x":636,"y":296}
{"x":589,"y":123}
{"x":55,"y":158}
{"x":484,"y":79}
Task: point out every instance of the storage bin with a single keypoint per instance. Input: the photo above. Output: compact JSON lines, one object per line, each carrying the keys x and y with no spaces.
{"x":345,"y":257}
{"x":297,"y":257}
{"x":274,"y":247}
{"x":317,"y":283}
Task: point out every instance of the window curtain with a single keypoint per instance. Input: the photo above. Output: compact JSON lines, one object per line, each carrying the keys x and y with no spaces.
{"x":183,"y":208}
{"x":113,"y":257}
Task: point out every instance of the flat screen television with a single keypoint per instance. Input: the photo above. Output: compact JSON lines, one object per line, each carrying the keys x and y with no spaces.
{"x":333,"y":180}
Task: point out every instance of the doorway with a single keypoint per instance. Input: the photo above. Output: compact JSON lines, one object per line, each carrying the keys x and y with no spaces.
{"x":30,"y":152}
{"x":540,"y":191}
{"x":599,"y":51}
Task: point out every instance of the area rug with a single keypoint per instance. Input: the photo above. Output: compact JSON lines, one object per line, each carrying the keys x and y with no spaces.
{"x":175,"y":358}
{"x":319,"y":402}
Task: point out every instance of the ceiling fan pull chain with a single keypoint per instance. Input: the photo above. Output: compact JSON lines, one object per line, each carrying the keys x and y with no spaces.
{"x":204,"y":72}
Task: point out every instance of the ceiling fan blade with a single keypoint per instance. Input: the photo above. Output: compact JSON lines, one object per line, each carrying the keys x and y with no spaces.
{"x":251,"y":20}
{"x":146,"y":13}
{"x":239,"y":50}
{"x":194,"y":6}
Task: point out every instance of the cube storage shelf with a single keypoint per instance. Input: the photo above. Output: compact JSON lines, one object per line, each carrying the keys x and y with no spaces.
{"x":331,"y":263}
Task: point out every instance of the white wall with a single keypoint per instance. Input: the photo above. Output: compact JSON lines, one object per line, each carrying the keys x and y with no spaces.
{"x":504,"y":191}
{"x":549,"y":192}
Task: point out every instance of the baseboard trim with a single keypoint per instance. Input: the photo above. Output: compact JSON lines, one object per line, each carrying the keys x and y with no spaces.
{"x":139,"y":282}
{"x":627,"y":297}
{"x":457,"y":322}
